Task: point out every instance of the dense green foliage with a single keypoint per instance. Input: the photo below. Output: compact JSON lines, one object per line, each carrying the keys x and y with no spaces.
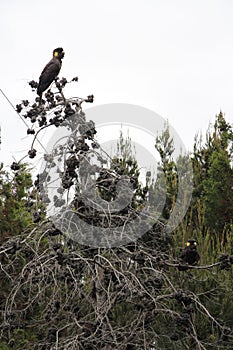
{"x":17,"y":201}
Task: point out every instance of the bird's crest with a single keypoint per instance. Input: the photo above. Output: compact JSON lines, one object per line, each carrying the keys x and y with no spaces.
{"x":58,"y":52}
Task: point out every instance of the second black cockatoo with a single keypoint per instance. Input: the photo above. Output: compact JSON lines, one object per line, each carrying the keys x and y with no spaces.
{"x":189,"y":255}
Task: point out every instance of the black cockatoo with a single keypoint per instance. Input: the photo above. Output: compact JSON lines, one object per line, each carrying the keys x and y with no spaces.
{"x":189,"y":255}
{"x":50,"y":71}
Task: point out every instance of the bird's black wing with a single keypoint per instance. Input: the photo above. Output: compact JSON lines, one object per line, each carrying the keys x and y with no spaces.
{"x":195,"y":258}
{"x":48,"y":75}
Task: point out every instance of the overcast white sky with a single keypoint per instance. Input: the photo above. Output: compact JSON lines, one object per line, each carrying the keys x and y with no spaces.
{"x":174,"y":57}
